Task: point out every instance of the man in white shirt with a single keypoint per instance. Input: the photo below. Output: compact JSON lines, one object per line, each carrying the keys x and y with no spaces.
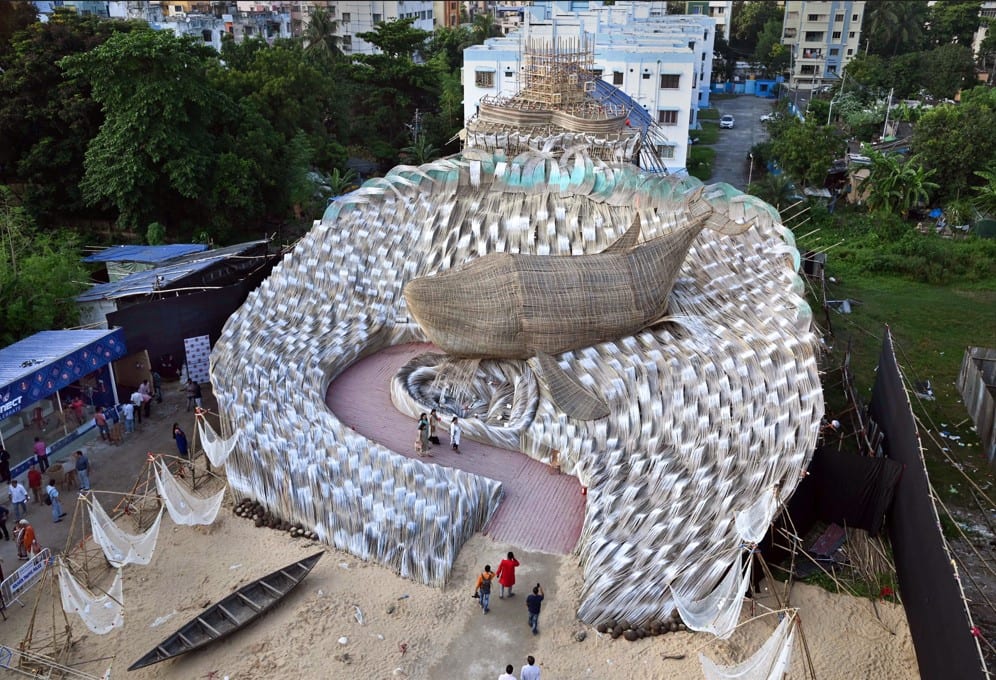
{"x":507,"y":675}
{"x":136,"y":400}
{"x":128,"y":409}
{"x":530,"y":671}
{"x":18,"y":498}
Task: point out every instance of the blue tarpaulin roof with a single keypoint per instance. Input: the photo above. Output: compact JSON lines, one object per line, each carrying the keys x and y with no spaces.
{"x":38,"y":366}
{"x":161,"y":278}
{"x":145,"y":254}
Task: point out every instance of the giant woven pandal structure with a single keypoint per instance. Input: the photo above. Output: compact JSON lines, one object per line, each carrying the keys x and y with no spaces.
{"x":709,"y":411}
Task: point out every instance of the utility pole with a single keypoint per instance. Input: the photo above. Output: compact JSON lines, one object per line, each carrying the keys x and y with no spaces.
{"x":887,"y":107}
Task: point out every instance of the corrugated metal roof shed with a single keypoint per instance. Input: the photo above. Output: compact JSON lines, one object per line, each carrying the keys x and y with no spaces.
{"x":145,"y":254}
{"x":28,"y":357}
{"x":161,"y":278}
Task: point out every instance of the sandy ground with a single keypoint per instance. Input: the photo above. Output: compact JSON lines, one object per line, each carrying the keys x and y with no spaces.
{"x":409,"y":630}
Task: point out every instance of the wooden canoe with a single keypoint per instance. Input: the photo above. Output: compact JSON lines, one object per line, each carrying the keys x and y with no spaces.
{"x":232,"y":613}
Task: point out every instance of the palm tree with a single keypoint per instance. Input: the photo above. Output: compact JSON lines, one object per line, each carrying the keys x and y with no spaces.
{"x":896,"y":184}
{"x":320,"y":36}
{"x":340,"y":182}
{"x":420,"y":150}
{"x":484,"y":27}
{"x":776,"y":190}
{"x":898,"y":23}
{"x":985,"y":195}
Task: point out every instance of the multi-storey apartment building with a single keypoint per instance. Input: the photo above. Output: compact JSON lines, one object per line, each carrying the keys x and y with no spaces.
{"x":359,"y":16}
{"x":823,"y":37}
{"x":662,"y":62}
{"x":720,"y":10}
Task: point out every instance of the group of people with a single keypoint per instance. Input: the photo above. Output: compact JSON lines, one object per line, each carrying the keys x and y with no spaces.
{"x":505,"y":575}
{"x":426,"y":435}
{"x":530,"y":671}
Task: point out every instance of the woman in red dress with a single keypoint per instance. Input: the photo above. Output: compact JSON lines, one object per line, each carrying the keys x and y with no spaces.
{"x":506,"y":574}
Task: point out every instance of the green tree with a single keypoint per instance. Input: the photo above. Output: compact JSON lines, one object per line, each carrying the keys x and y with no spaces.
{"x":46,"y":119}
{"x":805,"y":150}
{"x":953,"y":21}
{"x":40,"y":274}
{"x":419,"y":151}
{"x":869,"y":71}
{"x":396,"y":39}
{"x":894,"y":27}
{"x":770,"y":53}
{"x":749,"y":19}
{"x":154,"y":149}
{"x":947,"y":69}
{"x":947,"y":140}
{"x":776,"y":190}
{"x":484,"y":27}
{"x":14,"y":16}
{"x":987,"y":51}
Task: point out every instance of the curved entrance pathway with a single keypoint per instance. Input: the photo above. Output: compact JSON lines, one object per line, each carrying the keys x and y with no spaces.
{"x":540,"y":510}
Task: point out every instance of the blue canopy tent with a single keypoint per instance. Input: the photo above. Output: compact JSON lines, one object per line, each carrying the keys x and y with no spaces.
{"x":41,"y":365}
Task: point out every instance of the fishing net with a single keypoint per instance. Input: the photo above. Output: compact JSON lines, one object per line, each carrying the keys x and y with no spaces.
{"x":120,"y":547}
{"x":101,"y":613}
{"x":719,"y":611}
{"x":183,"y":506}
{"x":216,"y":448}
{"x":754,"y":520}
{"x":770,"y":662}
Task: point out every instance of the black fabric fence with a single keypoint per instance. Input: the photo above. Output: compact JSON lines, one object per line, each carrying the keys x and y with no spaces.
{"x":935,"y":605}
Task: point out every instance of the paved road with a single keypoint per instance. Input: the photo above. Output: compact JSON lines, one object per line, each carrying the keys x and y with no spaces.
{"x":731,"y":163}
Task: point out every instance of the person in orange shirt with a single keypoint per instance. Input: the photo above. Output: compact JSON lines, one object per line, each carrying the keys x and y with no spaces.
{"x":35,"y":483}
{"x":484,"y":587}
{"x":26,"y":545}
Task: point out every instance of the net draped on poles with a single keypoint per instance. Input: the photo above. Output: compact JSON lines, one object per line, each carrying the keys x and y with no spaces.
{"x":101,"y":613}
{"x":718,"y":612}
{"x":216,"y":448}
{"x":708,"y":410}
{"x":121,"y":548}
{"x":770,"y":662}
{"x":754,"y":520}
{"x":183,"y":506}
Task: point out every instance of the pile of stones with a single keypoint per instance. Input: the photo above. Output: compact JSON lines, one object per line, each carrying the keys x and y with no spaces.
{"x":632,"y":632}
{"x":262,"y":517}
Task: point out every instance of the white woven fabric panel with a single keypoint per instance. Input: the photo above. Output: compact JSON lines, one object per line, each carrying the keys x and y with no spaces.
{"x":216,"y":448}
{"x":708,"y":410}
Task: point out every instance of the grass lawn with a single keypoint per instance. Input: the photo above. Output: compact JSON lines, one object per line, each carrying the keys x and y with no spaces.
{"x":709,"y":134}
{"x":708,"y":114}
{"x":931,"y":327}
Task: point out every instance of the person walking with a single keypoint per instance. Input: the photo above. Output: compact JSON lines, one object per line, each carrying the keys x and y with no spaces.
{"x":534,"y":603}
{"x":77,"y":406}
{"x":100,"y":420}
{"x":41,"y":453}
{"x":128,"y":409}
{"x":193,"y":394}
{"x":180,"y":437}
{"x":53,"y":496}
{"x":4,"y":465}
{"x":27,"y":545}
{"x":433,"y":423}
{"x":136,"y":401}
{"x":484,"y":587}
{"x":19,"y":498}
{"x":530,"y":671}
{"x":506,"y":575}
{"x":35,"y":483}
{"x":423,"y":432}
{"x":507,"y":675}
{"x":4,"y":514}
{"x":455,"y":434}
{"x":146,"y":393}
{"x":157,"y":386}
{"x":83,"y":470}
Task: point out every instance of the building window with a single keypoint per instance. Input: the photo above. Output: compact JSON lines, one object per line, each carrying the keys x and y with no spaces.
{"x":377,"y":18}
{"x":667,"y":117}
{"x":665,"y":151}
{"x":617,"y":77}
{"x":509,"y":73}
{"x":345,"y":17}
{"x":854,"y":18}
{"x":789,"y":32}
{"x":834,"y":51}
{"x":484,"y":78}
{"x":839,"y":18}
{"x":814,"y":36}
{"x":850,"y":51}
{"x":670,"y":81}
{"x":850,"y":36}
{"x":813,"y":17}
{"x":831,"y":68}
{"x":646,"y":75}
{"x":206,"y":35}
{"x":347,"y":43}
{"x":597,"y":72}
{"x":836,"y":35}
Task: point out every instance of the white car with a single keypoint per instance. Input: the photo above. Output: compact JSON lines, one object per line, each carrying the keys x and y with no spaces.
{"x":727,"y":122}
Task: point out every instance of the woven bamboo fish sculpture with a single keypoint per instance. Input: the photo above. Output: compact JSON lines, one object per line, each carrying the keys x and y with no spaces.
{"x":519,"y":306}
